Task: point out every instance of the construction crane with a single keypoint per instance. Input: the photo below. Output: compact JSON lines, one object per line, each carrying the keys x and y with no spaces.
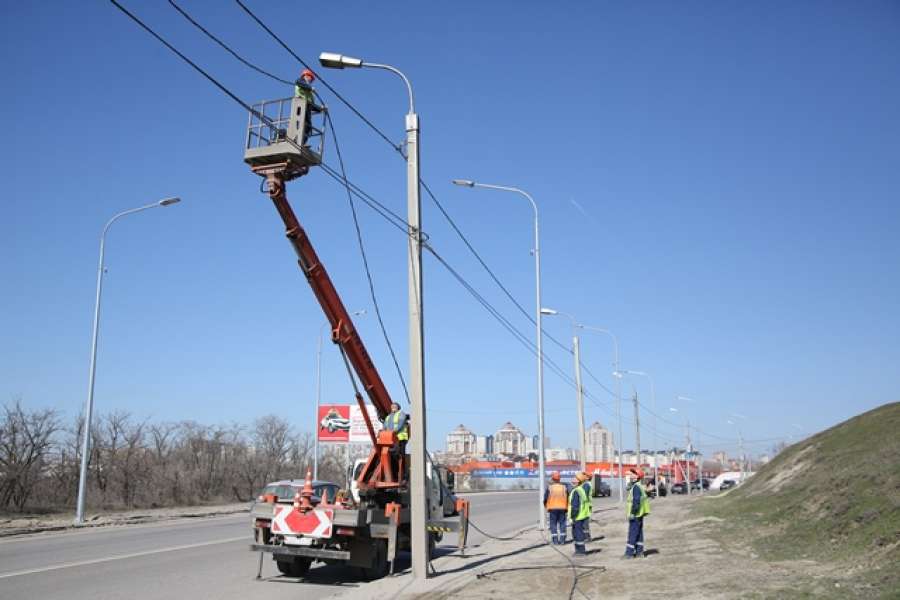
{"x":285,"y":139}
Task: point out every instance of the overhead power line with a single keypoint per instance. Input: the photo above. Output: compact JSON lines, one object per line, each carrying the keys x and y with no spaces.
{"x":225,"y":46}
{"x":337,"y":94}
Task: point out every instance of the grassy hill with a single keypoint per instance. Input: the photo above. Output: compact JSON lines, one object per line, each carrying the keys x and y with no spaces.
{"x":832,"y":501}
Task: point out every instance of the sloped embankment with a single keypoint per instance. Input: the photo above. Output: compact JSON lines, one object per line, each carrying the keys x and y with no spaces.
{"x":833,"y":499}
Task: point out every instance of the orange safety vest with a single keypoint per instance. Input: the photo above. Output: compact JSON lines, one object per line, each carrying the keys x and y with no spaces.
{"x":557,"y":498}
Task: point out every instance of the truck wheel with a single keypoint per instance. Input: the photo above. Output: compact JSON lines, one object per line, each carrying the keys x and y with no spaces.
{"x":296,"y":567}
{"x":379,"y":566}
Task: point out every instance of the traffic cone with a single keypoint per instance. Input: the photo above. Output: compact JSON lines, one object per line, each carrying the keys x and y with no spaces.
{"x":307,"y":493}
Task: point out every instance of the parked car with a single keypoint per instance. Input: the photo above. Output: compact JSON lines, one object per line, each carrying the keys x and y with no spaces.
{"x":602,"y":490}
{"x":726,"y":484}
{"x":283,"y":491}
{"x":679,"y":488}
{"x":653,"y":489}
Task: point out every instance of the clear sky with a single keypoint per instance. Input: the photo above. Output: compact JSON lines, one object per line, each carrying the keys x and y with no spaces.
{"x":718,"y":185}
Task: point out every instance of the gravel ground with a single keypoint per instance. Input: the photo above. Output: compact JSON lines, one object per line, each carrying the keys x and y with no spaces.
{"x":686,"y":559}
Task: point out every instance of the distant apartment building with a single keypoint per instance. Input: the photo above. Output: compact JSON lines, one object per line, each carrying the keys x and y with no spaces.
{"x":598,"y":444}
{"x":510,"y":440}
{"x":461,"y":441}
{"x":484,"y":445}
{"x":721,"y":457}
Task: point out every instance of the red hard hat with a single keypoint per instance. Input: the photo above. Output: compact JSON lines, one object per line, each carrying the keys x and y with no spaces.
{"x":638,"y":472}
{"x":554,"y":476}
{"x":308,"y":73}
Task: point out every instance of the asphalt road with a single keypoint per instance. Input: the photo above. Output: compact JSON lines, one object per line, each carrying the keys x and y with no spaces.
{"x":196,"y":558}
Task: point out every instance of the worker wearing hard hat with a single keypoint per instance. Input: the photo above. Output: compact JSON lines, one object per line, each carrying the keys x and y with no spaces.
{"x":579,"y":512}
{"x":588,"y":486}
{"x":637,"y":506}
{"x":556,"y":501}
{"x":303,"y":89}
{"x":398,"y":421}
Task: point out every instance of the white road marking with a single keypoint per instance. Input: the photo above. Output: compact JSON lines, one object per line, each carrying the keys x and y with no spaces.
{"x":121,"y":557}
{"x":117,"y":527}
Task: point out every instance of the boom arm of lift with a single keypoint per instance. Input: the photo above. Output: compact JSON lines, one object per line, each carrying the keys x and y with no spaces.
{"x":379,"y":472}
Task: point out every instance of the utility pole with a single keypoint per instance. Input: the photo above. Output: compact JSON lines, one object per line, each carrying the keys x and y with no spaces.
{"x":637,"y":428}
{"x":741,"y":444}
{"x":417,"y":435}
{"x":687,"y":449}
{"x":580,"y":391}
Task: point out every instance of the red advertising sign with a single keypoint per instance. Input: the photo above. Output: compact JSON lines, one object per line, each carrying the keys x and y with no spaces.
{"x":334,"y":423}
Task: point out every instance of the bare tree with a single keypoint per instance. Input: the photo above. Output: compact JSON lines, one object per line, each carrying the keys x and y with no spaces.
{"x":25,"y":445}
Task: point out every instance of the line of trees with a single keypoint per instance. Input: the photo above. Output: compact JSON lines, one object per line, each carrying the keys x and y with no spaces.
{"x":140,"y":464}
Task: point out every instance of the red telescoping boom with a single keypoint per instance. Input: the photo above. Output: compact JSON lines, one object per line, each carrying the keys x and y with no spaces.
{"x":381,"y":471}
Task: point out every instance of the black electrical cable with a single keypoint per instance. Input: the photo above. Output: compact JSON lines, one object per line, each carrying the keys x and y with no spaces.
{"x":337,"y":95}
{"x":226,"y":47}
{"x":362,"y":251}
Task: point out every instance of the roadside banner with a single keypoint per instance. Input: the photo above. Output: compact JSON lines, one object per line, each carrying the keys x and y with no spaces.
{"x":358,"y":430}
{"x":334,"y":423}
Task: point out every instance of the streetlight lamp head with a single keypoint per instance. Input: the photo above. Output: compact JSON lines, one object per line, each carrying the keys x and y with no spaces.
{"x":672,"y":409}
{"x":548,"y":311}
{"x":168,"y":201}
{"x":617,"y":374}
{"x":464,"y":182}
{"x":331,"y":60}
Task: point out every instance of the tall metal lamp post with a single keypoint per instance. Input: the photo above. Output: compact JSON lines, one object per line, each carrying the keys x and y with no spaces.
{"x":542,"y":519}
{"x":417,"y":440}
{"x":89,"y":405}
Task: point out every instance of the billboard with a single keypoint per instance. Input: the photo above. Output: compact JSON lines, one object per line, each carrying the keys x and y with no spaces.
{"x":358,"y":430}
{"x":334,"y":423}
{"x":345,"y":423}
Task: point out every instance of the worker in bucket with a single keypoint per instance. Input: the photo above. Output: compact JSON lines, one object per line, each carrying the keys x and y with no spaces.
{"x":303,"y":89}
{"x":579,"y":512}
{"x":637,"y":506}
{"x":556,"y":501}
{"x":398,"y":421}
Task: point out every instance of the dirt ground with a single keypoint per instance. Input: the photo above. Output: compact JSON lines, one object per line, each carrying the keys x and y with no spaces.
{"x":28,"y":524}
{"x":688,"y":557}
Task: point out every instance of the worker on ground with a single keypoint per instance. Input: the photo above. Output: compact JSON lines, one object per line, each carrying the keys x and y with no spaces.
{"x":637,"y":506}
{"x":579,"y":512}
{"x":589,"y":490}
{"x":398,"y":421}
{"x":556,"y":501}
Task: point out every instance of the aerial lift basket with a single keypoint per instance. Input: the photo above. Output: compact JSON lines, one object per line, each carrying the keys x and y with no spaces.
{"x":289,"y":131}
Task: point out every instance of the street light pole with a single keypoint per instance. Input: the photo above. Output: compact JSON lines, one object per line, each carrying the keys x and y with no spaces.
{"x":418,"y":479}
{"x":89,"y":405}
{"x":542,"y":518}
{"x":579,"y":390}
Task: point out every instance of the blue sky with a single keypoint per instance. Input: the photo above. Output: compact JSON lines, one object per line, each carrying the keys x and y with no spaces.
{"x":718,"y":185}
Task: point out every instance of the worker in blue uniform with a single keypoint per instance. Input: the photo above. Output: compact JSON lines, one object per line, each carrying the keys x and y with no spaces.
{"x":637,"y":506}
{"x":579,"y":512}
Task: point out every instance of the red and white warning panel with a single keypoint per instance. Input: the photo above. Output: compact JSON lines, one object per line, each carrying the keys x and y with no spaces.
{"x":315,"y":523}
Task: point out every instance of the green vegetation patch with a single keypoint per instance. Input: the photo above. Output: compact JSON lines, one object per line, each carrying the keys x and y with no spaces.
{"x":833,"y":498}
